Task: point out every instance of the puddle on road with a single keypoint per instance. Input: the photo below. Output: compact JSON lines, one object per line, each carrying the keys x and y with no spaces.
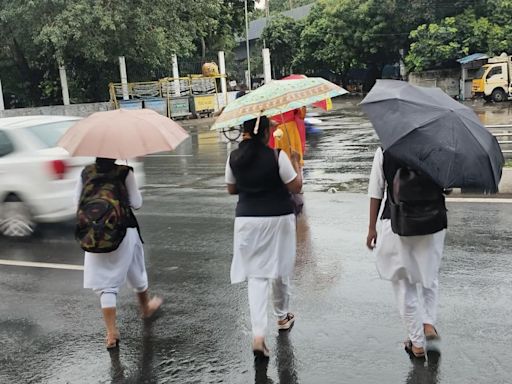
{"x":338,"y":158}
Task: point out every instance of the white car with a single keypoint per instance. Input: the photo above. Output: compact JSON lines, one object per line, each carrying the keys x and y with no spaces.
{"x":37,"y":178}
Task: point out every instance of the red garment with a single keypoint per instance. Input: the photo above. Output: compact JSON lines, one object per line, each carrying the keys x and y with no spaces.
{"x":324,"y":104}
{"x":279,"y":119}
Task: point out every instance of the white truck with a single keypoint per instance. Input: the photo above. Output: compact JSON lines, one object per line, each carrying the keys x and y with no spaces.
{"x":493,"y":81}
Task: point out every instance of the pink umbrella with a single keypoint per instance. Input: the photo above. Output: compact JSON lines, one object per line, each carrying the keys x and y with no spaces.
{"x":122,"y":134}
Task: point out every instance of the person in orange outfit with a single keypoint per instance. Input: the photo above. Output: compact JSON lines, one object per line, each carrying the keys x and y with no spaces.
{"x":292,"y":137}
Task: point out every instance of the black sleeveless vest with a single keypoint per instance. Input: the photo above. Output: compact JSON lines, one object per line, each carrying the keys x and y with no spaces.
{"x":260,"y":189}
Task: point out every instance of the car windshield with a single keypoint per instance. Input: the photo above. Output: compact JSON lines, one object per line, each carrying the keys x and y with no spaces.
{"x":49,"y":134}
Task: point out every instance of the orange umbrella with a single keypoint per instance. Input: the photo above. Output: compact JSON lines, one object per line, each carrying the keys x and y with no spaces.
{"x":122,"y":134}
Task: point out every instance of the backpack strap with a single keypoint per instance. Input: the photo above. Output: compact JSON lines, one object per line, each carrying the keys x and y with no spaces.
{"x":88,"y":172}
{"x":277,"y":152}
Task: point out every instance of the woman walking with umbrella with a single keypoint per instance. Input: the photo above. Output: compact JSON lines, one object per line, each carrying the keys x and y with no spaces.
{"x":106,"y":272}
{"x":407,"y":261}
{"x":430,"y":143}
{"x":264,"y":234}
{"x":265,"y":238}
{"x":106,"y":226}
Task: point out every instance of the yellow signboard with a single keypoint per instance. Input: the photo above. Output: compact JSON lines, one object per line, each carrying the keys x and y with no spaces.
{"x":204,"y":103}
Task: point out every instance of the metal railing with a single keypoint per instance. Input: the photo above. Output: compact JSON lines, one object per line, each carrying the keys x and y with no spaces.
{"x":503,"y":132}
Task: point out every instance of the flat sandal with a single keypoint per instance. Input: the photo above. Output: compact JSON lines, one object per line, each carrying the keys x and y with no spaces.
{"x":408,"y":346}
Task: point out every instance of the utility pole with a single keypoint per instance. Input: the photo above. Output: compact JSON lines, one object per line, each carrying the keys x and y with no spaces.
{"x":247,"y":47}
{"x":124,"y":78}
{"x":2,"y":107}
{"x":176,"y":75}
{"x":267,"y":71}
{"x":64,"y":84}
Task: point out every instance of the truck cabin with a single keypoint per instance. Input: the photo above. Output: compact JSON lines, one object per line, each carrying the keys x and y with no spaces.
{"x":493,"y":80}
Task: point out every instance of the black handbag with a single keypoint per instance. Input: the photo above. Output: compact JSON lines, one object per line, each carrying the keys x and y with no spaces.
{"x":417,"y":204}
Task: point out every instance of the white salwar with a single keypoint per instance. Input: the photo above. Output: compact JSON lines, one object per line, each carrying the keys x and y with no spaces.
{"x":105,"y":273}
{"x":264,"y":254}
{"x":264,"y":247}
{"x":411,"y":262}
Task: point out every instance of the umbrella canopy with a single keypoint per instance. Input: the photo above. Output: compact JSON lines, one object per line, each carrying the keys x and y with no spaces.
{"x":276,"y":97}
{"x":122,"y":134}
{"x":428,"y":130}
{"x":326,"y":104}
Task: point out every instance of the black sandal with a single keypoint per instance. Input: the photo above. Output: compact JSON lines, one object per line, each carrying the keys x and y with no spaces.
{"x":409,"y":350}
{"x":288,"y":324}
{"x":263,"y":353}
{"x":113,"y":346}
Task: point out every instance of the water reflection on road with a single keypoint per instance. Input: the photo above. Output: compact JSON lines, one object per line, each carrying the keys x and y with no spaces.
{"x":348,"y":329}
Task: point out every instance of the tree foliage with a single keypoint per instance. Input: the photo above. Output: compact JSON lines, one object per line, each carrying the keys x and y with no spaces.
{"x":89,"y":35}
{"x":282,"y":36}
{"x":479,"y":29}
{"x":345,"y":34}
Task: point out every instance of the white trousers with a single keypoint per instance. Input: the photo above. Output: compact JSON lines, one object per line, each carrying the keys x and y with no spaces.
{"x":258,"y":289}
{"x":108,"y":296}
{"x":417,"y":306}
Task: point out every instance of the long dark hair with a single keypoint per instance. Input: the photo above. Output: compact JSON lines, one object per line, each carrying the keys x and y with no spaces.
{"x":248,"y":148}
{"x":104,"y":164}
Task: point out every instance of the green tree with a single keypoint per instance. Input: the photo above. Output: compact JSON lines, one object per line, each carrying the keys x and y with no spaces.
{"x":88,"y":36}
{"x":478,"y":29}
{"x":345,"y":34}
{"x":282,"y":36}
{"x":434,"y":44}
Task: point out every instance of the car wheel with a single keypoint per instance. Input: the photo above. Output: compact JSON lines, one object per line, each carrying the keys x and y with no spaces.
{"x":499,"y":95}
{"x":15,"y":218}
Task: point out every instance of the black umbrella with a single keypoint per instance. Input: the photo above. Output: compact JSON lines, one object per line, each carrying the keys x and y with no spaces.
{"x":428,"y":130}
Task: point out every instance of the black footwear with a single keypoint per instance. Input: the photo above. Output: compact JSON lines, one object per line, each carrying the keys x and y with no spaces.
{"x":412,"y":354}
{"x":111,"y":347}
{"x":261,"y":353}
{"x":286,"y":323}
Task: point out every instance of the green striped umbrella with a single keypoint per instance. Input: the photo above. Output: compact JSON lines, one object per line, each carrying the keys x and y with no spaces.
{"x":277,"y":97}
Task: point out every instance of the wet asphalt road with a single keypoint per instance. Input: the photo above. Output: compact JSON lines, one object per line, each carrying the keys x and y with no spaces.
{"x":348,"y":328}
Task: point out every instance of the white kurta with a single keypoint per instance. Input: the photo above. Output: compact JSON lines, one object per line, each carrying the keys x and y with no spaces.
{"x":264,"y":247}
{"x":111,"y":270}
{"x":416,"y":258}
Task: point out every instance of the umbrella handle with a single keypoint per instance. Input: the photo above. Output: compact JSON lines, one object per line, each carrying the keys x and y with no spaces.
{"x":257,"y":126}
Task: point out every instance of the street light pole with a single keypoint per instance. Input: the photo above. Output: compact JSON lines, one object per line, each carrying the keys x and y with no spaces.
{"x":247,"y":46}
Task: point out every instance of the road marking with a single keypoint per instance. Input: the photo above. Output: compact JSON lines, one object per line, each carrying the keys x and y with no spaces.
{"x":478,"y":200}
{"x":169,"y":155}
{"x":35,"y":264}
